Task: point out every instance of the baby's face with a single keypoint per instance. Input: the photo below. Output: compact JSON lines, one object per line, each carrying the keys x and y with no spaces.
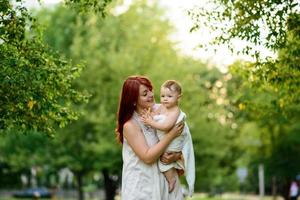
{"x":169,"y":97}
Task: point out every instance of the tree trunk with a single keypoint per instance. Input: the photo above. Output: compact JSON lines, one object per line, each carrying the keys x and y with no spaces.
{"x":79,"y":179}
{"x":110,"y":185}
{"x":285,"y":188}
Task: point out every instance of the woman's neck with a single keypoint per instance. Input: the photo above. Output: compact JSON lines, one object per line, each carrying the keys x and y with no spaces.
{"x":138,"y":111}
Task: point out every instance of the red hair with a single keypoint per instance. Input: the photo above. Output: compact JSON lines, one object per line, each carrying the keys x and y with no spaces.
{"x":128,"y":101}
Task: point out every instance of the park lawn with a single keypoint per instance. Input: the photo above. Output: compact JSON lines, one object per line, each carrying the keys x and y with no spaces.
{"x":12,"y":198}
{"x":231,"y":196}
{"x":195,"y":197}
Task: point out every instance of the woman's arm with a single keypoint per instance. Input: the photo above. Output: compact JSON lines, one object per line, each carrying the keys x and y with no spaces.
{"x":137,"y":141}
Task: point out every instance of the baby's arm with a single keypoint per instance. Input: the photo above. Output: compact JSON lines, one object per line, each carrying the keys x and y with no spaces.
{"x":166,"y":125}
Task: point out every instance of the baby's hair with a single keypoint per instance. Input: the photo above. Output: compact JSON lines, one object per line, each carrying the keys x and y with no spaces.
{"x":172,"y":85}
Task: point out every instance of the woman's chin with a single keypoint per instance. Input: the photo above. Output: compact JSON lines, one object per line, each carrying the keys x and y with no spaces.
{"x":150,"y":104}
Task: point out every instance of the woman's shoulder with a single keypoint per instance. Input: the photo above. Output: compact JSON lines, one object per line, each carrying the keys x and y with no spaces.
{"x":130,"y":124}
{"x":131,"y":129}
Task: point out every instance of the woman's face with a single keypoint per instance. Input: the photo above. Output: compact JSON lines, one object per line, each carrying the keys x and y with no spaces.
{"x":145,"y":98}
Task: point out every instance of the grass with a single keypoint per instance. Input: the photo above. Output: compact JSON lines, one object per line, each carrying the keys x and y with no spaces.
{"x":198,"y":196}
{"x":232,"y":196}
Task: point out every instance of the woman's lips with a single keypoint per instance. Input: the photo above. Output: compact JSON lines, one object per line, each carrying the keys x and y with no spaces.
{"x":150,"y":100}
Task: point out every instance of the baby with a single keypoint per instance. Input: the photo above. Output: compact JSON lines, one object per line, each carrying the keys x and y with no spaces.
{"x":165,"y":117}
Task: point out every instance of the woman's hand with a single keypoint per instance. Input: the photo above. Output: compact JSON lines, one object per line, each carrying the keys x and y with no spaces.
{"x":169,"y":157}
{"x":177,"y":129}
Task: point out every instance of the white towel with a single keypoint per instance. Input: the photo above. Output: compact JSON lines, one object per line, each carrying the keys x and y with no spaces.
{"x":187,"y":152}
{"x":189,"y":159}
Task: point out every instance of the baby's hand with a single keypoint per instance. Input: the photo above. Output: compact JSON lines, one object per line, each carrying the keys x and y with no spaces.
{"x":146,"y":117}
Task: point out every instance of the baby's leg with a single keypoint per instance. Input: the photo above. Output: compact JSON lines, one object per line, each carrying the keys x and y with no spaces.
{"x":171,"y":178}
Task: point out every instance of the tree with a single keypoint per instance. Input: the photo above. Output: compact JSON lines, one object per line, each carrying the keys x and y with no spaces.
{"x":267,"y":89}
{"x":136,"y":42}
{"x":36,"y":83}
{"x":133,"y":42}
{"x":17,"y":148}
{"x":258,"y":22}
{"x":274,"y":126}
{"x":272,"y":24}
{"x":110,"y":55}
{"x":98,"y":6}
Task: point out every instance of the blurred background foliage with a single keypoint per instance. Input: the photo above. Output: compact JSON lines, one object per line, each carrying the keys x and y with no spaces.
{"x":242,"y":118}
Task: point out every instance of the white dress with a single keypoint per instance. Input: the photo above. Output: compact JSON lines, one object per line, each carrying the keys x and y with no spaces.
{"x":175,"y":146}
{"x":142,"y":181}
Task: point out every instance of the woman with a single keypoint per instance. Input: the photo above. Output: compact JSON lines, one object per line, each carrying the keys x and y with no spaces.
{"x":141,"y":179}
